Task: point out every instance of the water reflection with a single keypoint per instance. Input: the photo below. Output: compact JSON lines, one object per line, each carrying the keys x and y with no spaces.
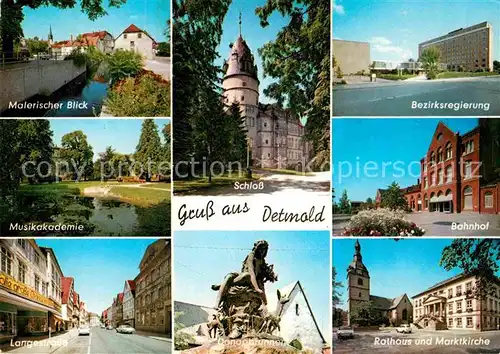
{"x":99,"y":217}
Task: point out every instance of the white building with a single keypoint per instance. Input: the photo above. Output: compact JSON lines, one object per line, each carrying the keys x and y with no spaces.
{"x":297,"y":319}
{"x":93,"y":319}
{"x":135,"y":39}
{"x":128,"y":302}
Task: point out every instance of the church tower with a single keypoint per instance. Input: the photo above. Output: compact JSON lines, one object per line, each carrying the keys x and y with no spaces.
{"x":50,"y":38}
{"x":358,"y":282}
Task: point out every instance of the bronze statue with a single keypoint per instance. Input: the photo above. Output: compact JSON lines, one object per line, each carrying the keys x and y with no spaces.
{"x":241,"y":301}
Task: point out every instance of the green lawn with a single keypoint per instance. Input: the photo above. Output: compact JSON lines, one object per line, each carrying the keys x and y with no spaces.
{"x":186,"y":186}
{"x":283,"y":171}
{"x":454,"y":74}
{"x":141,"y":196}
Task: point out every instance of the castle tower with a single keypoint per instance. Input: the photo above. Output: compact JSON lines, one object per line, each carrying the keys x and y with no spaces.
{"x":358,"y":282}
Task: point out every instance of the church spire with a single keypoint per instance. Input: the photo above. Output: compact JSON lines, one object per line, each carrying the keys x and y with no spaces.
{"x":357,"y":253}
{"x":51,"y":37}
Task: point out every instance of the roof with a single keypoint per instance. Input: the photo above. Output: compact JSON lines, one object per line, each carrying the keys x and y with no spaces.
{"x":240,"y":53}
{"x":66,"y":283}
{"x":286,"y":295}
{"x":120,"y":297}
{"x":131,"y":284}
{"x":385,"y":303}
{"x":134,"y":29}
{"x":441,"y":283}
{"x":98,"y":34}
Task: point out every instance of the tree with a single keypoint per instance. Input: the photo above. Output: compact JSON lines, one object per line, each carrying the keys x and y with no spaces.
{"x":36,"y":147}
{"x":163,"y":49}
{"x":475,"y":257}
{"x":237,"y":134}
{"x":148,"y":152}
{"x":77,"y":153}
{"x":496,"y":66}
{"x":366,"y":314}
{"x":12,"y":16}
{"x":197,"y":32}
{"x":106,"y":164}
{"x":299,"y":60}
{"x":167,"y":148}
{"x":344,"y":203}
{"x":336,"y":285}
{"x":430,"y":61}
{"x":392,"y":198}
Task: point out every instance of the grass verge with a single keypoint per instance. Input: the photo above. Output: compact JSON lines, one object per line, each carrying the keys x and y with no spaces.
{"x":453,"y":74}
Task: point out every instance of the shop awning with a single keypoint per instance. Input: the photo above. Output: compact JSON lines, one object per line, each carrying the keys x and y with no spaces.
{"x":24,"y":303}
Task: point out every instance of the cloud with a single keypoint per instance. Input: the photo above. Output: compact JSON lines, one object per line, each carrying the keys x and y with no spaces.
{"x":338,"y":9}
{"x":401,"y":52}
{"x":380,"y":40}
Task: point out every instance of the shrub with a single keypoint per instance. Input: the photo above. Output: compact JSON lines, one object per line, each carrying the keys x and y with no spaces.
{"x":381,"y":222}
{"x":343,"y":82}
{"x":146,"y":95}
{"x":79,"y":58}
{"x":432,"y":74}
{"x":339,"y":73}
{"x":123,"y":64}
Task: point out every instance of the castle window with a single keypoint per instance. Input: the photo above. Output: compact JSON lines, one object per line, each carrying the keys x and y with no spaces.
{"x":440,"y":155}
{"x":297,"y":309}
{"x":488,"y":200}
{"x":359,"y":294}
{"x":449,"y":174}
{"x":267,"y":141}
{"x":433,"y":159}
{"x":439,"y":136}
{"x":360,"y":281}
{"x":242,"y":98}
{"x":268,"y":155}
{"x":139,"y":35}
{"x":244,"y":84}
{"x":265,"y":124}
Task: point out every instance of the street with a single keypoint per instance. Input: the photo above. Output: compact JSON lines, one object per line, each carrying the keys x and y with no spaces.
{"x":395,"y":99}
{"x":439,"y":224}
{"x":435,"y":342}
{"x":100,"y":341}
{"x":161,"y":66}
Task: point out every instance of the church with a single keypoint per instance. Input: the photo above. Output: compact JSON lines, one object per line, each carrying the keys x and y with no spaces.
{"x":395,"y":311}
{"x":275,"y":134}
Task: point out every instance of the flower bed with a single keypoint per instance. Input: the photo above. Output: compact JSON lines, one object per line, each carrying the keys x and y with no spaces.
{"x":381,"y":222}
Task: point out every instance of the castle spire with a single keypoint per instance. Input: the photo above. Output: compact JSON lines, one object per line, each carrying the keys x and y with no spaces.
{"x":357,"y":254}
{"x":240,"y":23}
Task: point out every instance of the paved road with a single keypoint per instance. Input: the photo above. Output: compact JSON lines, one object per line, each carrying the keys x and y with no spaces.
{"x":440,"y":224}
{"x":161,"y":66}
{"x":279,"y":185}
{"x":102,"y":341}
{"x":395,"y":99}
{"x":364,"y":342}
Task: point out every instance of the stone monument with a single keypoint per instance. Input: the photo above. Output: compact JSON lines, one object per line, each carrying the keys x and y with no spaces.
{"x":242,"y":303}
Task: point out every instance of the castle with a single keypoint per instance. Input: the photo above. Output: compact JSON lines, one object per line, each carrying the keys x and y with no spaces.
{"x":275,"y":134}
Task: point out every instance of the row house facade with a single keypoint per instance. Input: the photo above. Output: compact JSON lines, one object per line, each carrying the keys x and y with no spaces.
{"x":68,"y":290}
{"x":128,"y":303}
{"x":29,"y":303}
{"x":93,"y":319}
{"x":118,"y":310}
{"x":153,"y":312}
{"x":83,"y":314}
{"x":459,"y":172}
{"x":76,"y":310}
{"x":459,"y":303}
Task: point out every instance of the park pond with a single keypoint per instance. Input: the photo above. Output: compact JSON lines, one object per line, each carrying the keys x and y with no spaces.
{"x":97,"y":216}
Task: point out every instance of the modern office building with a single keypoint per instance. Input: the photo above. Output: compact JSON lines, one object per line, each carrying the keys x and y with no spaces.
{"x":465,"y":49}
{"x":352,"y":57}
{"x":457,"y":303}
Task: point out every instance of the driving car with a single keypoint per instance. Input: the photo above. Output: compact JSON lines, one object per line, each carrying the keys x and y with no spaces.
{"x":84,"y":330}
{"x":345,"y":332}
{"x":126,"y":329}
{"x":404,"y":328}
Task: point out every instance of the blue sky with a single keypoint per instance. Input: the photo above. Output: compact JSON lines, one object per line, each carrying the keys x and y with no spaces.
{"x":407,"y":266}
{"x":204,"y":258}
{"x":149,"y":15}
{"x":99,"y":266}
{"x":394,"y":28}
{"x":252,"y":32}
{"x":122,"y":134}
{"x":370,"y":143}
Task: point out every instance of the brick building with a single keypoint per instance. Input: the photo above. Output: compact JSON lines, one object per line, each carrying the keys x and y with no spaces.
{"x":459,"y":173}
{"x":153,"y":301}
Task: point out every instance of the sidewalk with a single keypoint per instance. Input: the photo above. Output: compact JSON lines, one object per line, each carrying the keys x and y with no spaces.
{"x":38,"y":344}
{"x":157,"y":336}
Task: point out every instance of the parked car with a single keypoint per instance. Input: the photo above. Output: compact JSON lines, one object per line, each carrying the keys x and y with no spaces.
{"x":109,"y":327}
{"x":103,"y":326}
{"x":84,"y":330}
{"x":345,"y":332}
{"x":126,"y":329}
{"x":404,"y":328}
